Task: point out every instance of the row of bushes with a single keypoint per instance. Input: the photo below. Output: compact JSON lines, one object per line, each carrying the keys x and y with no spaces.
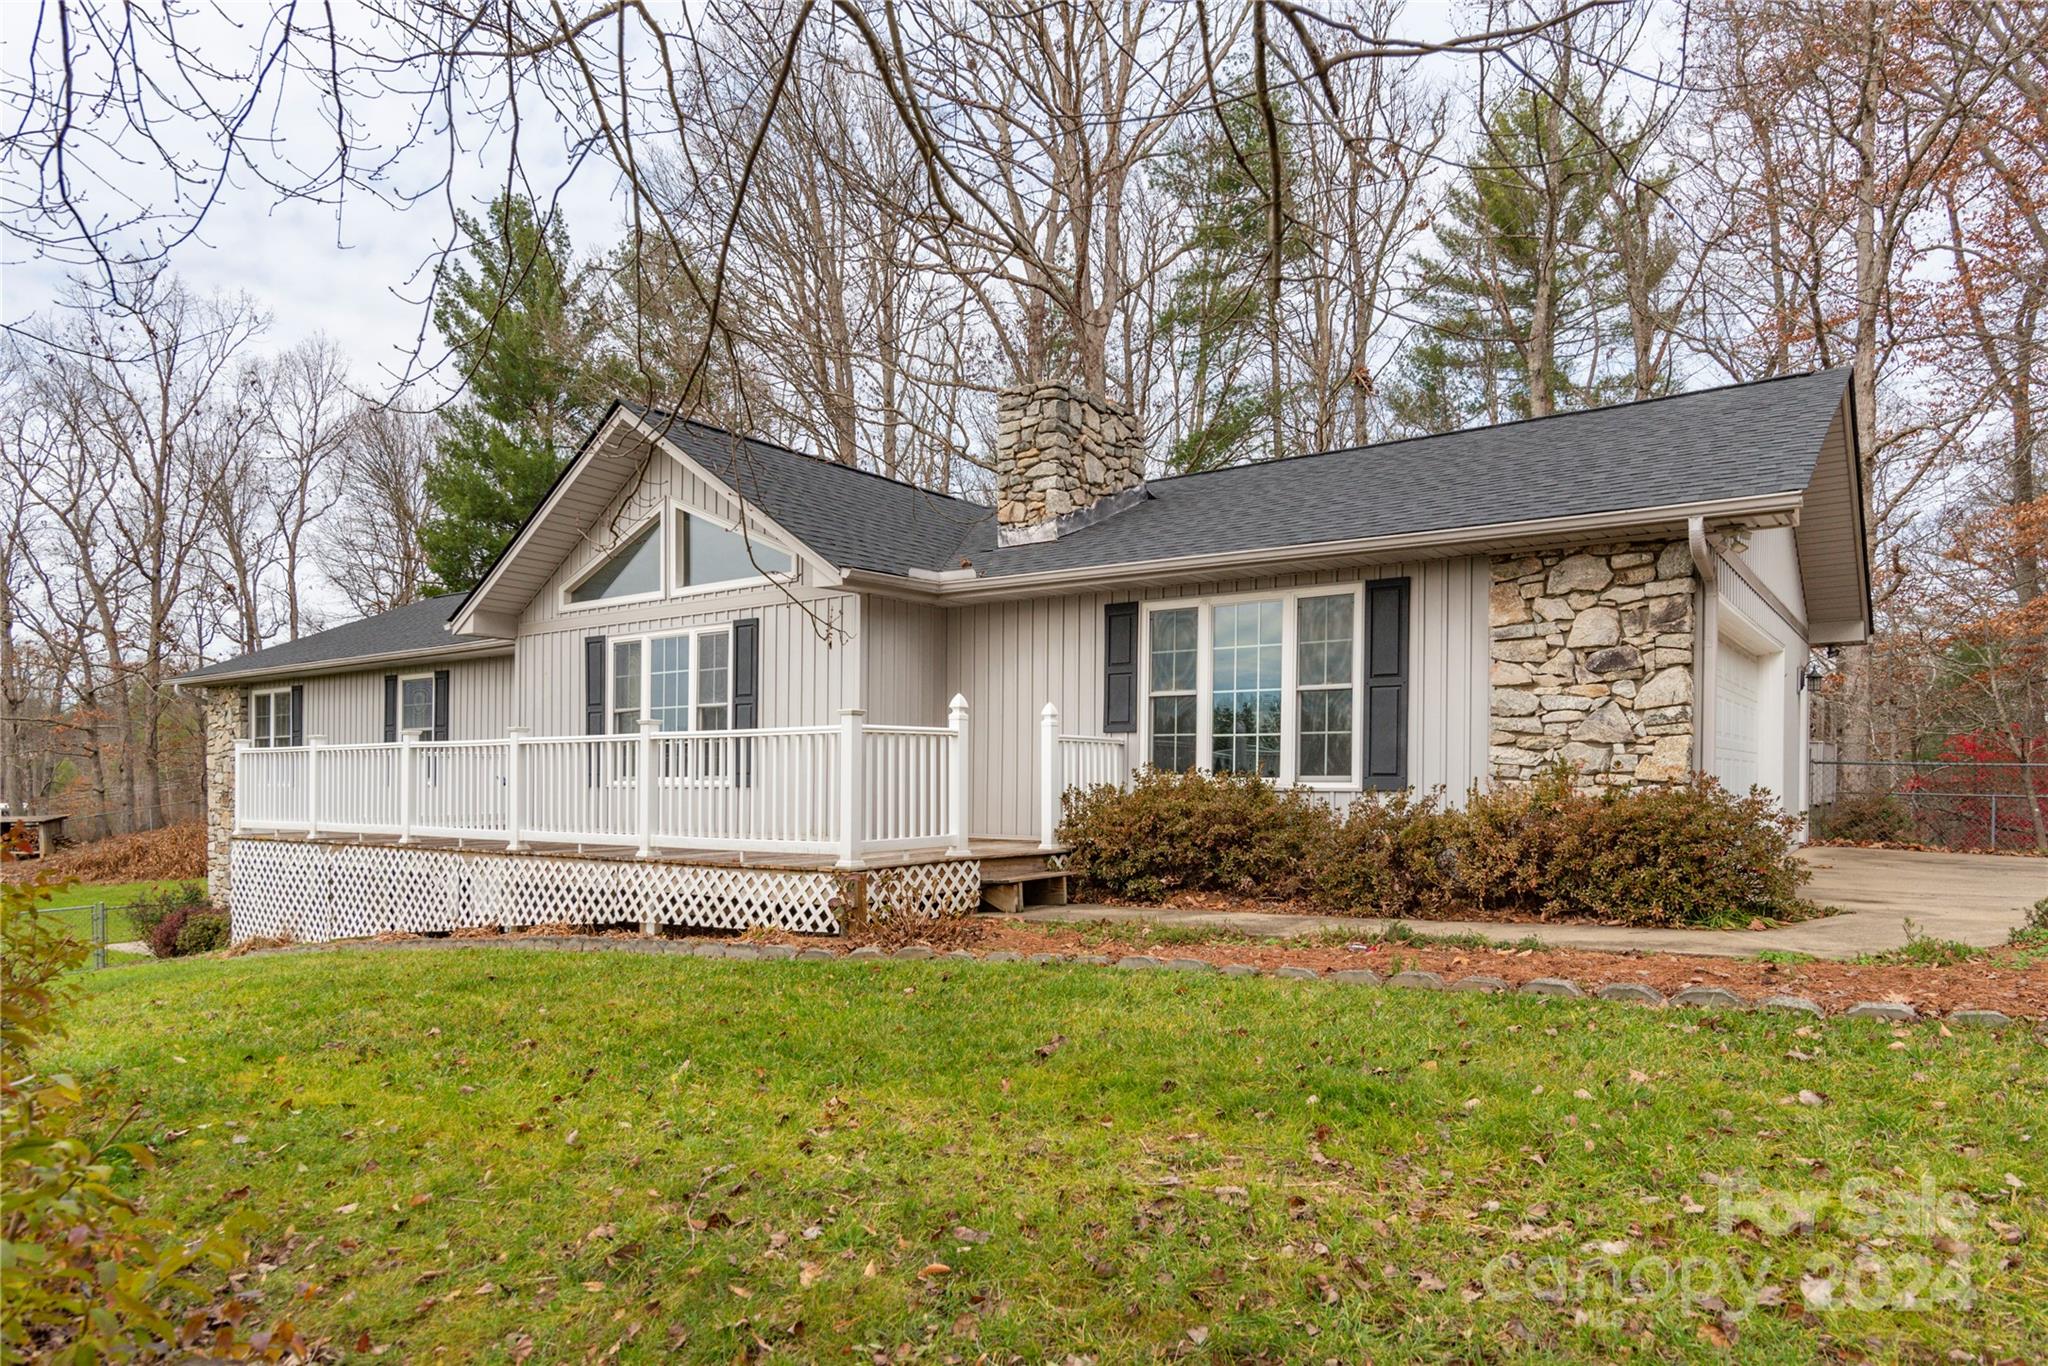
{"x":1683,"y":855}
{"x":179,"y":920}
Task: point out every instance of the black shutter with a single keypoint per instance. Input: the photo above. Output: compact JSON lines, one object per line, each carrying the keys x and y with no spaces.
{"x":390,"y":709}
{"x":1386,"y":684}
{"x":1120,"y":668}
{"x":298,"y":714}
{"x":746,"y":673}
{"x":593,"y":685}
{"x":441,"y":704}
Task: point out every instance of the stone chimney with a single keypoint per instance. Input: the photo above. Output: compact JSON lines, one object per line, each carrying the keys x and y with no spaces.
{"x":1064,"y":458}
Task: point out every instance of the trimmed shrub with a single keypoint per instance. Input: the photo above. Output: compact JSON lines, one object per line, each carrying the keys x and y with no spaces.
{"x":1194,"y":832}
{"x":203,"y":932}
{"x":1692,"y":855}
{"x":1686,"y":855}
{"x":179,"y":920}
{"x":149,"y":911}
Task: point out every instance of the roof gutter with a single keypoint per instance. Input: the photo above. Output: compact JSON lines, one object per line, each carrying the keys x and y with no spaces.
{"x":967,"y":585}
{"x":347,"y":664}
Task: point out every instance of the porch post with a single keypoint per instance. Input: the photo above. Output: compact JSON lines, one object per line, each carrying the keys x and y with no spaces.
{"x":408,"y":743}
{"x":240,"y":747}
{"x":313,"y":743}
{"x":853,"y":786}
{"x":644,"y":782}
{"x":956,"y":778}
{"x":1049,"y":777}
{"x":515,"y":812}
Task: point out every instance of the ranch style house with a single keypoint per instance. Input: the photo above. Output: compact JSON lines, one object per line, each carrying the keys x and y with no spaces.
{"x":716,"y":682}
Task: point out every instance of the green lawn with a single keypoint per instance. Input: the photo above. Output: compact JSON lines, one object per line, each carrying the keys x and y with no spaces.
{"x":72,"y":907}
{"x":481,"y":1151}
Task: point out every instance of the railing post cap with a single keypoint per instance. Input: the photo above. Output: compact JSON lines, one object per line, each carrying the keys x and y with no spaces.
{"x":649,"y":723}
{"x":316,"y":739}
{"x":521,"y":731}
{"x":1051,"y":712}
{"x":853,"y":711}
{"x":959,"y":702}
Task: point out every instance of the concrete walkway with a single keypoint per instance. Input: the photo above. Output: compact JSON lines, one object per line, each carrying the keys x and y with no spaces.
{"x":1977,"y":899}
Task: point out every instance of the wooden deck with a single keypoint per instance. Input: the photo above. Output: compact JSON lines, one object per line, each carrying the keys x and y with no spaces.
{"x":1008,"y":856}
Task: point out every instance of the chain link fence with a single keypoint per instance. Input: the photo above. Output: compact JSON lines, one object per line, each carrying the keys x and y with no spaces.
{"x":1963,"y":805}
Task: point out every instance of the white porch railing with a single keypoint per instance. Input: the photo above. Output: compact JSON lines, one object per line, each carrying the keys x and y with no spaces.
{"x":848,"y":790}
{"x":1070,"y":761}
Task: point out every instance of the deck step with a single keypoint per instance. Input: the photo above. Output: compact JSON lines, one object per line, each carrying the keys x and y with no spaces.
{"x":1010,"y":884}
{"x":1018,"y":867}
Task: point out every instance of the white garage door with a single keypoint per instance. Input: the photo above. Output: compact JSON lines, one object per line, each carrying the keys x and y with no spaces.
{"x":1738,"y":690}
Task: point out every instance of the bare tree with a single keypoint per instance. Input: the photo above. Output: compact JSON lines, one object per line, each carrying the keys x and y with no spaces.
{"x":369,"y":546}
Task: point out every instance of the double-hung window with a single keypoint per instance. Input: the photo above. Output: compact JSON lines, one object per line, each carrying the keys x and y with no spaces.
{"x":416,"y":704}
{"x":270,"y":718}
{"x":1323,"y":685}
{"x":1176,"y":649}
{"x":1263,"y":685}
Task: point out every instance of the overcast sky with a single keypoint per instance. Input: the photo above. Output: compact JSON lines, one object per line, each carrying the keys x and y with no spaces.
{"x":357,"y":275}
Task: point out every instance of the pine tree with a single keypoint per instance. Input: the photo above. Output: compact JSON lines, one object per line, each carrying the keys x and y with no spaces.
{"x":1216,"y":317}
{"x":513,"y":318}
{"x":1511,"y":294}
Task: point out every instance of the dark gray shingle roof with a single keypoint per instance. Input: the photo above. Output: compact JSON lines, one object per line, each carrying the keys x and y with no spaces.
{"x":417,"y":626}
{"x":853,"y":518}
{"x":1733,"y":442}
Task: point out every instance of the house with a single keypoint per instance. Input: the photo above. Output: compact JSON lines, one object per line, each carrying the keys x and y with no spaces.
{"x":844,"y":687}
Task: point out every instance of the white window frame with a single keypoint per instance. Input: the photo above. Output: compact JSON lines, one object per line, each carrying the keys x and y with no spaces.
{"x":1290,"y":671}
{"x":676,"y":566}
{"x":272,"y":741}
{"x":425,"y":732}
{"x":661,"y":539}
{"x":645,"y":640}
{"x":646,"y":672}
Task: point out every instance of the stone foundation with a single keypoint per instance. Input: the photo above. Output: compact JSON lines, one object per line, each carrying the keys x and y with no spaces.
{"x":1593,"y":663}
{"x":1059,"y":452}
{"x":220,"y":717}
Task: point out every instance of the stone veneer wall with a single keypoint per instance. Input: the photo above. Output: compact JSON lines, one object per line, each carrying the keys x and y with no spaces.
{"x":221,"y":721}
{"x":1059,"y":450}
{"x":1593,"y":663}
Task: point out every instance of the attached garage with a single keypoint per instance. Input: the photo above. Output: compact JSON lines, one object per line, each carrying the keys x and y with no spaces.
{"x":1738,"y":698}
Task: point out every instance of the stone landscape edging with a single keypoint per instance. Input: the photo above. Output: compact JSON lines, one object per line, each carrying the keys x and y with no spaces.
{"x":1701,"y":999}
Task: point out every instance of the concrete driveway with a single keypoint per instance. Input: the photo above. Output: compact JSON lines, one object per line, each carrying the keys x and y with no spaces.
{"x":1977,"y":899}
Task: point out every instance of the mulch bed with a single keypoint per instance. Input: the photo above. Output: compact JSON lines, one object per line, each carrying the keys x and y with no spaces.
{"x":1996,"y":981}
{"x":1224,"y":901}
{"x":1983,"y":984}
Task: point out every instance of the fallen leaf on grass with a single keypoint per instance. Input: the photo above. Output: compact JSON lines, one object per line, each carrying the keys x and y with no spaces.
{"x":935,"y":1269}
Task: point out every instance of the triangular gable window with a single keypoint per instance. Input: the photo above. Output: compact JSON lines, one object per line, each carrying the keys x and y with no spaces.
{"x":634,"y":571}
{"x":710,"y":553}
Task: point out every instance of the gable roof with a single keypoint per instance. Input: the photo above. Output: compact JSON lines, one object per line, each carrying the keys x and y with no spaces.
{"x":1735,"y":442}
{"x":855,"y":518}
{"x":416,"y":629}
{"x":1770,"y":443}
{"x":1715,"y":445}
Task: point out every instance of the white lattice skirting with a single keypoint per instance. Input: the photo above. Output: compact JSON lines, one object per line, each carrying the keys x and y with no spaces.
{"x":311,"y":893}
